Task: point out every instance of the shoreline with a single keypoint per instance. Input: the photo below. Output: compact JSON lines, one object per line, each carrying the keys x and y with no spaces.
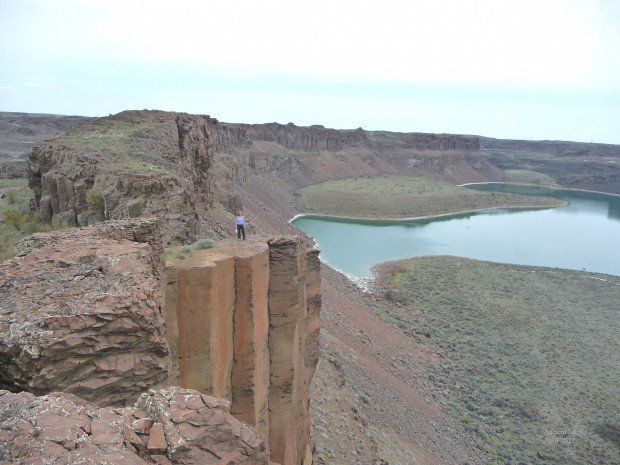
{"x":365,"y":284}
{"x":537,"y":185}
{"x":414,"y":218}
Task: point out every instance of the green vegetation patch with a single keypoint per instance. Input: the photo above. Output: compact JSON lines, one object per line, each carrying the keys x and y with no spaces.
{"x":187,"y":251}
{"x":204,"y":244}
{"x":528,"y":177}
{"x":532,"y":355}
{"x":128,"y":145}
{"x":15,"y":220}
{"x":397,"y":196}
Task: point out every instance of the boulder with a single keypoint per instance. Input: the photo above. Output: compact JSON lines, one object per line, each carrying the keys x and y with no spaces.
{"x":81,"y":312}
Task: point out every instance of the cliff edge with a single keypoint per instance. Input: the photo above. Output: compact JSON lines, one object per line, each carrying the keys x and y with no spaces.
{"x":101,"y":319}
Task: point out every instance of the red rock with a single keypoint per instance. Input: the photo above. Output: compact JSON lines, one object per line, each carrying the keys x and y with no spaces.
{"x":142,"y":425}
{"x":113,"y":440}
{"x":157,"y":441}
{"x":88,"y":337}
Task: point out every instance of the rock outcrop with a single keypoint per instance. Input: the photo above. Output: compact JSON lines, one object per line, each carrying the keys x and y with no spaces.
{"x":166,"y":427}
{"x":243,"y":323}
{"x":128,"y":165}
{"x":304,"y":138}
{"x":80,"y":312}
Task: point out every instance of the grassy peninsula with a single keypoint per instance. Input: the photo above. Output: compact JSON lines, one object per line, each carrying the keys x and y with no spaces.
{"x":396,"y":196}
{"x":531,"y":355}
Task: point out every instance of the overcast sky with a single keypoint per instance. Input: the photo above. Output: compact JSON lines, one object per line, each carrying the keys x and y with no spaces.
{"x":530,"y":69}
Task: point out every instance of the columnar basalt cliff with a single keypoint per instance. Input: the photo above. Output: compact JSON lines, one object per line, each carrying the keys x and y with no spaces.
{"x":304,"y":138}
{"x":306,"y":155}
{"x":98,"y":319}
{"x":247,"y":319}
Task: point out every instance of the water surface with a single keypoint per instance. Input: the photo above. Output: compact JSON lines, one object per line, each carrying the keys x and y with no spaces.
{"x":585,"y":234}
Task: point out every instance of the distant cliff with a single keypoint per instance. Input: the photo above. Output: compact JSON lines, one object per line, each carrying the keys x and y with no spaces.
{"x":175,"y":165}
{"x":572,"y":164}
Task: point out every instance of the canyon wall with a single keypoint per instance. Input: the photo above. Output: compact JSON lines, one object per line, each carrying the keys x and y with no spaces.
{"x":177,"y":166}
{"x":247,"y":319}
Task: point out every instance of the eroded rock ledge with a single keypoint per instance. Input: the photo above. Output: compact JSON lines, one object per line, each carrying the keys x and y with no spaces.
{"x":80,"y":312}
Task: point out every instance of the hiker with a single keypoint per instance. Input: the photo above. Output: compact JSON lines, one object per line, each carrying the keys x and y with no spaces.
{"x":240,"y":225}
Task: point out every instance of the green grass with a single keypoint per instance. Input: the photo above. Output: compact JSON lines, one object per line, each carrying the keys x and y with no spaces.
{"x":204,"y":244}
{"x":530,"y":353}
{"x":8,"y":183}
{"x":528,"y":177}
{"x":404,"y":197}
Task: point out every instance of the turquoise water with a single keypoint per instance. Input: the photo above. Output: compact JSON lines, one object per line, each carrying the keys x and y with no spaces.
{"x":585,"y":234}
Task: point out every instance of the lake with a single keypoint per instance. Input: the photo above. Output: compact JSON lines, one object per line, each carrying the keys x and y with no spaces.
{"x":584,"y":235}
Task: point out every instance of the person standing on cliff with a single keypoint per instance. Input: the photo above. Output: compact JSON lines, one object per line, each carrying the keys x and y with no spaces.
{"x":240,"y":225}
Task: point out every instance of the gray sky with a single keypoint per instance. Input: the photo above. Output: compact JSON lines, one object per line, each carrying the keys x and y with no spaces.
{"x":545,"y":69}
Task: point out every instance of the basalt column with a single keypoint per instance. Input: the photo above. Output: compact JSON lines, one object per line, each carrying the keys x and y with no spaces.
{"x":311,"y":349}
{"x":250,"y":373}
{"x":203,"y":309}
{"x":288,"y":325}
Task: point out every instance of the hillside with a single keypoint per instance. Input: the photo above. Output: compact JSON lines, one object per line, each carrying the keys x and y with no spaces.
{"x":575,"y":165}
{"x":21,"y":132}
{"x":530,"y":354}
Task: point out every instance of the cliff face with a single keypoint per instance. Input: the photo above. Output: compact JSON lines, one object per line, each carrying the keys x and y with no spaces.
{"x":305,"y":138}
{"x":243,"y":324}
{"x":90,"y":313}
{"x":319,"y":138}
{"x":307,"y":155}
{"x":128,"y":165}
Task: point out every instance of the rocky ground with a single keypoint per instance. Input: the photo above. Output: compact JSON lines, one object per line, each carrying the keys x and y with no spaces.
{"x":166,"y":427}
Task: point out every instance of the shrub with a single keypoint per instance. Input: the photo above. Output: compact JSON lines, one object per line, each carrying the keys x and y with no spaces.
{"x":15,"y":218}
{"x":95,"y":201}
{"x":178,"y":238}
{"x":11,"y":196}
{"x":204,"y":244}
{"x":6,"y":246}
{"x":183,"y":253}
